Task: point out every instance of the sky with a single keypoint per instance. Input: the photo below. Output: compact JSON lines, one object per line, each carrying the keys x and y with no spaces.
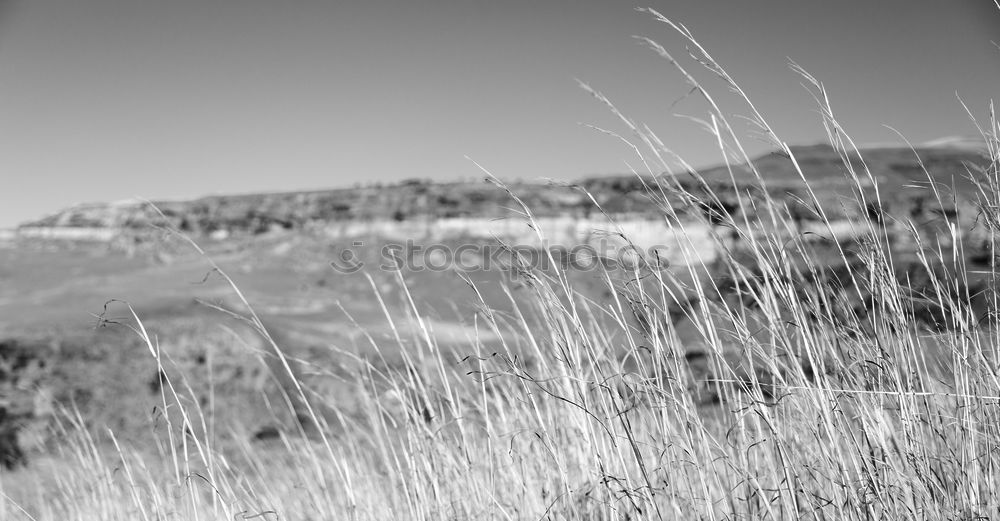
{"x":103,"y":100}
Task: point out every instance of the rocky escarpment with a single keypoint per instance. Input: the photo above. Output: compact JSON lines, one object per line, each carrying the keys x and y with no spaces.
{"x":902,"y":177}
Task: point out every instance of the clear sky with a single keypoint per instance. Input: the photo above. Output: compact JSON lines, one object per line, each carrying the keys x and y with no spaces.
{"x":107,"y":99}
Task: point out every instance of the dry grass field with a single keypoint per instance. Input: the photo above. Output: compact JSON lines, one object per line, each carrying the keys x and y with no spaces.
{"x":835,"y":358}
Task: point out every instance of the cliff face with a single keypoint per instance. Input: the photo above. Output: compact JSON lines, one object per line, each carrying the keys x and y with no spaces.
{"x":258,"y":213}
{"x":902,"y":177}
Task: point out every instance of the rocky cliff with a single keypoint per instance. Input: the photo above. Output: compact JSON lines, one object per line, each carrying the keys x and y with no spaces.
{"x":903,"y":177}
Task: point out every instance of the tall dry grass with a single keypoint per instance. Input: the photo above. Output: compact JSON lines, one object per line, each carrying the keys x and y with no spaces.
{"x":826,"y":410}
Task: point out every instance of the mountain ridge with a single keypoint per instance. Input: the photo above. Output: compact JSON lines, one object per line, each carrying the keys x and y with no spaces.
{"x":899,"y":172}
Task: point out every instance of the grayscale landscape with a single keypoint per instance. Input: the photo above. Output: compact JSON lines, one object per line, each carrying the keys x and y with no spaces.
{"x":799,"y":328}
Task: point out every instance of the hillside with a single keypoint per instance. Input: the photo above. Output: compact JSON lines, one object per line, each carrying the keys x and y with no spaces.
{"x":895,"y":168}
{"x":902,"y":176}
